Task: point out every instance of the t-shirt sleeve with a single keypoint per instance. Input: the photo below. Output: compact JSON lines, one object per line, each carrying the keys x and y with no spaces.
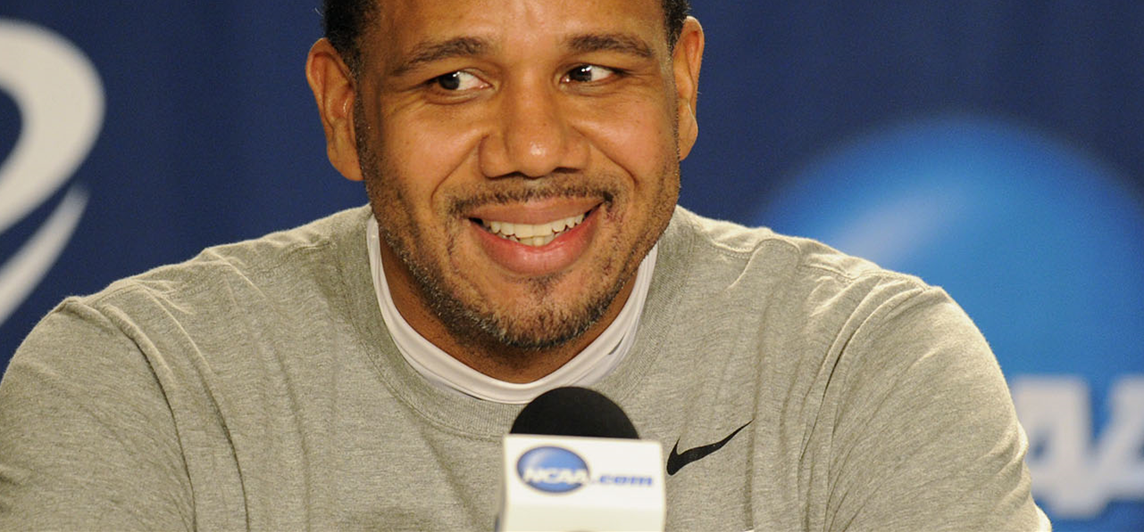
{"x":87,"y":440}
{"x":925,"y":436}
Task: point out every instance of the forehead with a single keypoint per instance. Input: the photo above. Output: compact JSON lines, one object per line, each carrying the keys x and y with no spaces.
{"x":402,"y":25}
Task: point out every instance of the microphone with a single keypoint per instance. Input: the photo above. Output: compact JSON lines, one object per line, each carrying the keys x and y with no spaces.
{"x":572,"y":411}
{"x":573,"y":461}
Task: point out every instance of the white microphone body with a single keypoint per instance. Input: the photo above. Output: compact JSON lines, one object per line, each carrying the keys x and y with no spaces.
{"x":573,"y":483}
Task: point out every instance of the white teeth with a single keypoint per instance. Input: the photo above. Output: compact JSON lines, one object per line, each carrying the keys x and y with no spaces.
{"x":524,"y":231}
{"x":535,"y":235}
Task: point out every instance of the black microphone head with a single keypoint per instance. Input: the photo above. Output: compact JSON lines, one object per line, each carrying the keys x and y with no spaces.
{"x":573,"y":411}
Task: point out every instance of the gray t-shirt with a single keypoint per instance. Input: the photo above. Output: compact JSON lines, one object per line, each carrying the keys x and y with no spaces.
{"x":256,"y":387}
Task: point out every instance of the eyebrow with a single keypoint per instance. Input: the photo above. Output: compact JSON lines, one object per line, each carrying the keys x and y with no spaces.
{"x":430,"y":51}
{"x":610,"y":42}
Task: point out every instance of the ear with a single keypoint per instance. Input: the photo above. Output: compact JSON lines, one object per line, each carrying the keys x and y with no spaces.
{"x":686,"y":60}
{"x":334,"y":90}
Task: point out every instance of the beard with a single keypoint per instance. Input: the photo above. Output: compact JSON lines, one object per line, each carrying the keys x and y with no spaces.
{"x":509,"y":331}
{"x":470,"y":319}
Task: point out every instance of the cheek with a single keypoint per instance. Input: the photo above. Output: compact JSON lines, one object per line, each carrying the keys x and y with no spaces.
{"x":643,"y":149}
{"x":426,"y":155}
{"x":637,"y":136}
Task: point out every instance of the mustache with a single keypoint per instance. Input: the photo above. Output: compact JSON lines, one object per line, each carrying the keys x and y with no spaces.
{"x":462,"y":202}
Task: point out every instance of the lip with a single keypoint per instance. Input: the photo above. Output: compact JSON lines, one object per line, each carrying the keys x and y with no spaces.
{"x":524,"y":260}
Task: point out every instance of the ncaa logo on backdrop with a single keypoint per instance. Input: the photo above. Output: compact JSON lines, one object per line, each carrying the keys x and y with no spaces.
{"x":61,"y":102}
{"x":1042,"y":243}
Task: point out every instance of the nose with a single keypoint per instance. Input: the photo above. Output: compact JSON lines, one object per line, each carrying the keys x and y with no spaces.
{"x":533,"y":135}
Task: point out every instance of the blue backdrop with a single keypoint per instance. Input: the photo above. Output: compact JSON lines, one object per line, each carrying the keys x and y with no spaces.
{"x":993,"y":147}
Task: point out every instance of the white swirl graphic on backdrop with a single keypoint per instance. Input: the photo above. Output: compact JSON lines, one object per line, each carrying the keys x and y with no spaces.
{"x":61,"y":103}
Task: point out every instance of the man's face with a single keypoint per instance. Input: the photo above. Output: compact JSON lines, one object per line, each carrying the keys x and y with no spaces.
{"x":521,"y":158}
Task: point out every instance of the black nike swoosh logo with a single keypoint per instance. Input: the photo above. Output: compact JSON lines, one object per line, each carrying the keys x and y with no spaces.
{"x":676,"y":460}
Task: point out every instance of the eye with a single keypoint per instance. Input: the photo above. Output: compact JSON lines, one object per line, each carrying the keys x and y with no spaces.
{"x":589,"y":74}
{"x":457,"y":81}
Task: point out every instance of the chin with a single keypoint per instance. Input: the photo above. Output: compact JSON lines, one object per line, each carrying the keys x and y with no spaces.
{"x":536,"y":324}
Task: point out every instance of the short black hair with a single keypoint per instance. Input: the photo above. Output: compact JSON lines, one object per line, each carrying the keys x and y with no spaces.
{"x":344,"y":21}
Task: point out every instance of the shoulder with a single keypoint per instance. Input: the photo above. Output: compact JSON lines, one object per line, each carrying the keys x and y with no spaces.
{"x":761,"y":261}
{"x":705,"y":236}
{"x":272,"y":288}
{"x":803,"y":306}
{"x":794,"y":305}
{"x":815,"y":296}
{"x":269,"y":264}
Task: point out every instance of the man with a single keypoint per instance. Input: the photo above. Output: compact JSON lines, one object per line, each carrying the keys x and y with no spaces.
{"x":521,"y":163}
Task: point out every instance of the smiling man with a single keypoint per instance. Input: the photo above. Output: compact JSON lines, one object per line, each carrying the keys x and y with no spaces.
{"x":521,"y":163}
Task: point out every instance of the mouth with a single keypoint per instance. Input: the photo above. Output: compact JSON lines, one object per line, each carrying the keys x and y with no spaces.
{"x":534,"y":235}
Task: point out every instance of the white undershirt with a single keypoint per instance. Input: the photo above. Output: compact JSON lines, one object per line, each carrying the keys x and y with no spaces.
{"x":588,"y":367}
